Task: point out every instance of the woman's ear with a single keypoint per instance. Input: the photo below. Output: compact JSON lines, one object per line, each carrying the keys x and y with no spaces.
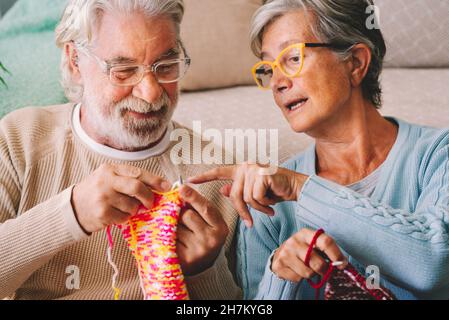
{"x":361,"y":60}
{"x":72,"y":60}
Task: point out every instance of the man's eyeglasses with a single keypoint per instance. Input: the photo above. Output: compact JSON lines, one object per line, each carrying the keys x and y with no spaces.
{"x":131,"y":74}
{"x":290,"y":61}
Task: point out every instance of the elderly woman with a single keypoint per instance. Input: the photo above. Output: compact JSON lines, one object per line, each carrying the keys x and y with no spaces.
{"x":378,"y":186}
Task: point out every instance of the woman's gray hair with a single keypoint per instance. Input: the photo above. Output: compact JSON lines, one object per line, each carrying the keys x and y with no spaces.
{"x":342,"y":22}
{"x":82,"y":17}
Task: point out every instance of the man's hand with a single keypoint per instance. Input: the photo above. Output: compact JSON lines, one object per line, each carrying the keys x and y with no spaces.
{"x":112,"y":194}
{"x":201,"y":233}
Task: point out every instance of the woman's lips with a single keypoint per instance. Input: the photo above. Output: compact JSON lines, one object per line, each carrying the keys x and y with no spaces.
{"x":296,"y":106}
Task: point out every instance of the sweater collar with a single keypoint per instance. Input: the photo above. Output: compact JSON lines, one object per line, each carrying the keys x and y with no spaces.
{"x":104,"y":150}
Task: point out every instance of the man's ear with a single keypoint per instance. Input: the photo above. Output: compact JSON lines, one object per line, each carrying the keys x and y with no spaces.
{"x":360,"y":62}
{"x":72,"y":60}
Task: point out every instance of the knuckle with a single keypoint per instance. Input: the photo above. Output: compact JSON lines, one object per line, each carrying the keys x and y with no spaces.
{"x":98,"y":181}
{"x":308,"y":274}
{"x":283,"y":254}
{"x":215,"y":242}
{"x":328,"y":241}
{"x":105,"y":167}
{"x":290,"y":243}
{"x":134,"y":206}
{"x":135,"y":187}
{"x":319,"y":266}
{"x":248,"y":199}
{"x":202,"y":250}
{"x":209,"y":209}
{"x":101,"y":199}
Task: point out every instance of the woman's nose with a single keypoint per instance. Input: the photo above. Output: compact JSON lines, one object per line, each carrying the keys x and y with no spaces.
{"x":279,"y":81}
{"x":149,"y":89}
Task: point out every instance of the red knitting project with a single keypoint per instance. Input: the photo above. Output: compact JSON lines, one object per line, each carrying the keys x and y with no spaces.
{"x":345,"y":284}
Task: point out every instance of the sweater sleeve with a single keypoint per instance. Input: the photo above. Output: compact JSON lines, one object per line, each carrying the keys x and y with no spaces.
{"x":410,"y":247}
{"x":30,"y":240}
{"x":256,"y":247}
{"x":215,"y":283}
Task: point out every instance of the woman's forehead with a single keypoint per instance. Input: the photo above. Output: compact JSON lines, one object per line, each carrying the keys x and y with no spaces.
{"x":286,"y":30}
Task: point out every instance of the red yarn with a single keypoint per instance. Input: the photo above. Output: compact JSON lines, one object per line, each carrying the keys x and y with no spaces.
{"x":346,"y":284}
{"x":322,"y":282}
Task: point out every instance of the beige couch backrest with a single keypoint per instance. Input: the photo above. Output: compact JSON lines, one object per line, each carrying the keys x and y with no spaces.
{"x":416,"y":32}
{"x":216,"y":34}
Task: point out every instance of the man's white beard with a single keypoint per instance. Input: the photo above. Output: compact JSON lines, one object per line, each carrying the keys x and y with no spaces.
{"x":121,"y":130}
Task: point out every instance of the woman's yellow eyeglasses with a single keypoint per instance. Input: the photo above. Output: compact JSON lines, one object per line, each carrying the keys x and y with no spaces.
{"x":290,"y":61}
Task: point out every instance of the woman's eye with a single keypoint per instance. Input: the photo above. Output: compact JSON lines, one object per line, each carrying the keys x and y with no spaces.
{"x":295,"y":59}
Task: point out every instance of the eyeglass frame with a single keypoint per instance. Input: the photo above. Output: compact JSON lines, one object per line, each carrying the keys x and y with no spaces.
{"x":146,"y":68}
{"x":301,"y":45}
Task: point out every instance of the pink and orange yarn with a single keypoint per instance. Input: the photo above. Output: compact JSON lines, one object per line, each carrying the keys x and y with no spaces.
{"x":151,"y":237}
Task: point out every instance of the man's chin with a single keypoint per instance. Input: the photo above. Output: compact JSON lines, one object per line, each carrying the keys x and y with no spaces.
{"x":142,"y":137}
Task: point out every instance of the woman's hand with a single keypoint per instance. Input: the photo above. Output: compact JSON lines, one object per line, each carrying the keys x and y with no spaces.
{"x":252,"y":184}
{"x":288,"y":260}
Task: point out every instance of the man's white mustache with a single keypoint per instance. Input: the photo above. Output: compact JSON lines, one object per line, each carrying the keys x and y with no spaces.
{"x":137,"y":105}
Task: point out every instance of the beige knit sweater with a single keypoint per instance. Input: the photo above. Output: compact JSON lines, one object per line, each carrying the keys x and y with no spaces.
{"x":41,"y":242}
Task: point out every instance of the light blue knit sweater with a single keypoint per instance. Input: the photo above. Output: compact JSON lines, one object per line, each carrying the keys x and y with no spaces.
{"x":402,"y":229}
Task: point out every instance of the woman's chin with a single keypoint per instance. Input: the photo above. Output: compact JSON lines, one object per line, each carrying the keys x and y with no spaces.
{"x":299,"y":124}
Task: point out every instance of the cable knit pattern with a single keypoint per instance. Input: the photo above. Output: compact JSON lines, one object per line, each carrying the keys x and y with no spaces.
{"x":402,"y":228}
{"x":427,"y":227}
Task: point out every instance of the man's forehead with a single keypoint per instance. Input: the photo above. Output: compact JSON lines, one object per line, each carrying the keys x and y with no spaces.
{"x":135,"y":35}
{"x":124,"y":59}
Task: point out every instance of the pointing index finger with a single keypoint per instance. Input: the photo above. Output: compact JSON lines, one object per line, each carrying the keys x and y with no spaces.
{"x":220,"y":173}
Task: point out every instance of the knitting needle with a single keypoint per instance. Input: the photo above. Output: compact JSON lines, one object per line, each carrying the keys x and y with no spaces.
{"x":337,"y":263}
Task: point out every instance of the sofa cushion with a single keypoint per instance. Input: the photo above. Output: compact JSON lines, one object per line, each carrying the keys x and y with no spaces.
{"x":216,"y":34}
{"x":28,"y":51}
{"x":416,"y":32}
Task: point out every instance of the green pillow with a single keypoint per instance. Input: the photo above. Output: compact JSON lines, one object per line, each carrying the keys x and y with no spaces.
{"x":28,"y":51}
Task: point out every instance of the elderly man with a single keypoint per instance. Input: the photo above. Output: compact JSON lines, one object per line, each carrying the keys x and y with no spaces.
{"x":67,"y":172}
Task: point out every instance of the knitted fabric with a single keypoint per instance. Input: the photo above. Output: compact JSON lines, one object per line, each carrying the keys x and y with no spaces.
{"x":345,"y":284}
{"x":151,"y":237}
{"x":348,"y":284}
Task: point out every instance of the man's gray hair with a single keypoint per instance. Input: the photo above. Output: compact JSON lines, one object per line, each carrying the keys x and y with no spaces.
{"x":81,"y":17}
{"x":342,"y":22}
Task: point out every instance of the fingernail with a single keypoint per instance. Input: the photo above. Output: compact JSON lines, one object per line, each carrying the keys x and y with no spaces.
{"x":165,"y":186}
{"x":186,"y":192}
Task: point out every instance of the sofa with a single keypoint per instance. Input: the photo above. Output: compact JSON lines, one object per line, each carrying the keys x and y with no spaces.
{"x":218,"y":90}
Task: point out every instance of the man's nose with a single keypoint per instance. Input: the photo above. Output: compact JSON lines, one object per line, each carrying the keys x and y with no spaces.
{"x":279,"y":81}
{"x":149,"y":89}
